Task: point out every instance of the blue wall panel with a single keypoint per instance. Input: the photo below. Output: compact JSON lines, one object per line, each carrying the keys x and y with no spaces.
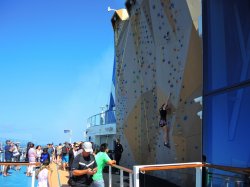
{"x":227,"y":43}
{"x":227,"y":128}
{"x":226,"y":76}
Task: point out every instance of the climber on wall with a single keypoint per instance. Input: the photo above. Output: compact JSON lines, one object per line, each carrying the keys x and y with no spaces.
{"x":164,"y":109}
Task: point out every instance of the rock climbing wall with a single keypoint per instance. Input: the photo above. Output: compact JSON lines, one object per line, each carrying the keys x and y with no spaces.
{"x":158,"y":56}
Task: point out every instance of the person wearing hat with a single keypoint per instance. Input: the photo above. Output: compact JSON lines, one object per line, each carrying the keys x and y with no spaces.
{"x":83,"y":167}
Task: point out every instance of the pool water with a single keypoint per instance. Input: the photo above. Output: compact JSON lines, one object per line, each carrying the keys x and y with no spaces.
{"x":17,"y":179}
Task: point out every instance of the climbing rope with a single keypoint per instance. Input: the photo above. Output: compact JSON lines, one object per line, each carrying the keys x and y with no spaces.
{"x":145,"y":115}
{"x":123,"y":54}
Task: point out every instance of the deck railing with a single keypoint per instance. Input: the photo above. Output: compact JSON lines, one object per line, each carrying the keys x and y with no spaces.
{"x":134,"y":174}
{"x":121,"y":169}
{"x":158,"y":167}
{"x":245,"y":171}
{"x":232,"y":176}
{"x":198,"y":166}
{"x":103,"y":118}
{"x":225,"y":179}
{"x":5,"y":164}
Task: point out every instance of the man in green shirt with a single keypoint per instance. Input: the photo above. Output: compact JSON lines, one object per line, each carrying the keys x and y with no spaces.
{"x":102,"y":159}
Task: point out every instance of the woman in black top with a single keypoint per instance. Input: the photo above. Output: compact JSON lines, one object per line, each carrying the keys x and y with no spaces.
{"x":163,"y":123}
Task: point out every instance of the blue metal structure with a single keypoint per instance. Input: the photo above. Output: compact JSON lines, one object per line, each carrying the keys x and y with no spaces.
{"x":109,"y":114}
{"x":226,"y":81}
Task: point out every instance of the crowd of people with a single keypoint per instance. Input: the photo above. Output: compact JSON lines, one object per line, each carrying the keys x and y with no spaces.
{"x":83,"y":161}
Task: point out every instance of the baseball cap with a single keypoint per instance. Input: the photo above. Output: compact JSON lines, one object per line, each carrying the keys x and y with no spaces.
{"x":87,"y":146}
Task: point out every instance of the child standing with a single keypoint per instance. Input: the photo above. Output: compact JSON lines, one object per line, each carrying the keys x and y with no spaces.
{"x":44,"y":175}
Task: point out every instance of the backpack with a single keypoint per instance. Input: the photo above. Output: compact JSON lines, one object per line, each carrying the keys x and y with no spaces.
{"x":65,"y":150}
{"x":44,"y":157}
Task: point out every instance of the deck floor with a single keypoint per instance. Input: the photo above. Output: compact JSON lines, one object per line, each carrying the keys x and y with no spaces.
{"x":64,"y":176}
{"x":59,"y":178}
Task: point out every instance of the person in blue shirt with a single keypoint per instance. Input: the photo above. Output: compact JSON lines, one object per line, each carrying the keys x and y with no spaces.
{"x":45,"y":155}
{"x":8,"y":155}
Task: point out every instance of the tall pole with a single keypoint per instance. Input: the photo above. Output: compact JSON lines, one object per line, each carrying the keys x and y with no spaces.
{"x":70,"y":134}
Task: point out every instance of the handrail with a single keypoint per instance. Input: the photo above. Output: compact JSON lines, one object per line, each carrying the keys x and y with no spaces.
{"x":197,"y":165}
{"x":121,"y":175}
{"x":178,"y":166}
{"x":170,"y":167}
{"x":102,"y":118}
{"x":143,"y":168}
{"x":19,"y":163}
{"x":98,"y":114}
{"x":229,"y":168}
{"x":123,"y":168}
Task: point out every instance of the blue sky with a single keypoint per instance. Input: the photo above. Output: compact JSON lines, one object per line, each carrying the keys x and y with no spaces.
{"x":56,"y":59}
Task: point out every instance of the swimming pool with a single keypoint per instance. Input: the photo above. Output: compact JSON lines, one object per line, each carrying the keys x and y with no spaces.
{"x":17,"y":179}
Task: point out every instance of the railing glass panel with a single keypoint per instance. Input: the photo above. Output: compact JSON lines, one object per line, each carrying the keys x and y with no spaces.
{"x":228,"y":179}
{"x":103,"y":118}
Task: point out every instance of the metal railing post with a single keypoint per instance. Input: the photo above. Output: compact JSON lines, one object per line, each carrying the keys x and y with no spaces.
{"x":239,"y":183}
{"x":33,"y":177}
{"x":198,"y":176}
{"x":1,"y":159}
{"x":121,"y":178}
{"x":136,"y":176}
{"x":130,"y":180}
{"x":227,"y":182}
{"x":110,"y":176}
